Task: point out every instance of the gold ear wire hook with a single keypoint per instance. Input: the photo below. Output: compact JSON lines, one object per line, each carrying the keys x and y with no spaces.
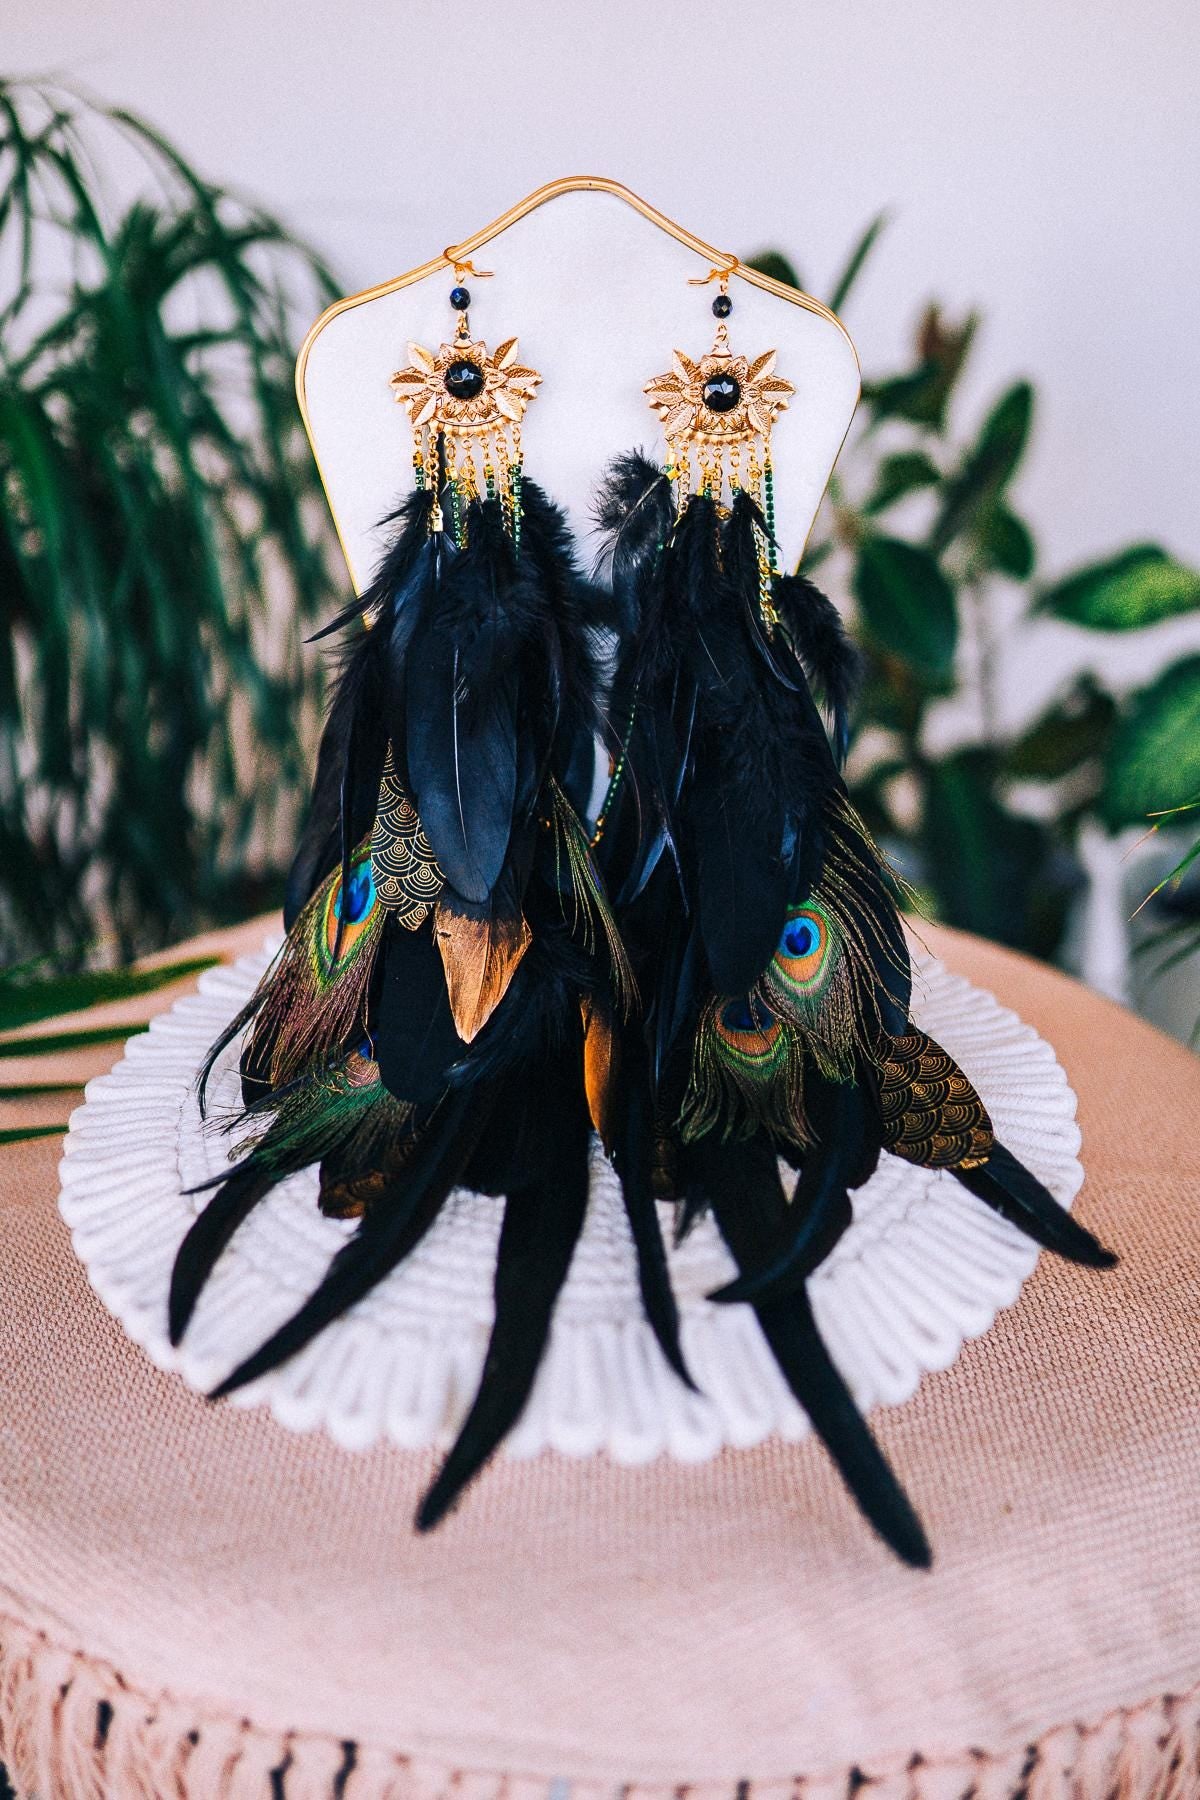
{"x":462,"y":267}
{"x":720,"y":273}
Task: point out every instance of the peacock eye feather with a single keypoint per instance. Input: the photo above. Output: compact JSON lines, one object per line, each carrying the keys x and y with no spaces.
{"x":749,"y":1034}
{"x":352,"y":909}
{"x":358,"y":897}
{"x":802,"y":960}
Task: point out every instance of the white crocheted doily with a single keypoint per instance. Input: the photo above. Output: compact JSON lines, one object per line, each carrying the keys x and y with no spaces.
{"x":923,"y":1267}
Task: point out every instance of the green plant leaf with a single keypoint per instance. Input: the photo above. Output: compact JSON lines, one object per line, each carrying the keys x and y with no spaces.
{"x":1124,"y":592}
{"x":991,"y":871}
{"x":814,"y":555}
{"x":1174,"y":876}
{"x":903,"y":472}
{"x":1154,"y":760}
{"x":775,"y":264}
{"x":1005,"y":542}
{"x":50,"y":1043}
{"x":854,"y":264}
{"x":22,"y":1134}
{"x":1077,"y":729}
{"x":908,"y":605}
{"x":38,"y":1090}
{"x":988,"y":466}
{"x":922,"y":395}
{"x":23,"y":999}
{"x":162,"y":537}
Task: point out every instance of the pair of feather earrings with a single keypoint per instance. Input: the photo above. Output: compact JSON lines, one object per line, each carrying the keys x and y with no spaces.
{"x":713,"y":975}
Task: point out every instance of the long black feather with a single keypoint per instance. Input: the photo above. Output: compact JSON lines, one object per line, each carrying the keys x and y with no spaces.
{"x":742,"y":1184}
{"x":819,"y":1213}
{"x":207,"y":1237}
{"x":633,"y":1159}
{"x":542,"y":1222}
{"x":831,"y":661}
{"x":388,"y":1233}
{"x":1013,"y":1191}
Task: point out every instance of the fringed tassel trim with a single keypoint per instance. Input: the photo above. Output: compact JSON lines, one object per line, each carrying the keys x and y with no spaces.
{"x":72,"y":1729}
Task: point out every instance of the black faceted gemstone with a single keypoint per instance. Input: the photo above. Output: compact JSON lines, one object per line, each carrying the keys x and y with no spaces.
{"x":460,"y":299}
{"x":722,"y":306}
{"x":464,"y":379}
{"x":720,"y":393}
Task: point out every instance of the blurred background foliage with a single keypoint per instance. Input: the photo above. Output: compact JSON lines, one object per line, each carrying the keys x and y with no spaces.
{"x":163,"y":540}
{"x":921,"y":528}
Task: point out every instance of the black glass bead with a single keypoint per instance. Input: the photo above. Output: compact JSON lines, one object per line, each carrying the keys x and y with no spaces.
{"x":722,"y":306}
{"x":460,"y":299}
{"x":464,"y":379}
{"x":720,"y":393}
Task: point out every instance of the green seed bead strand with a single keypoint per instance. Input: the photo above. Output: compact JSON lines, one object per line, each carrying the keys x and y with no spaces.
{"x":456,"y":518}
{"x":515,"y":484}
{"x":769,"y":511}
{"x":768,"y":567}
{"x":614,"y":780}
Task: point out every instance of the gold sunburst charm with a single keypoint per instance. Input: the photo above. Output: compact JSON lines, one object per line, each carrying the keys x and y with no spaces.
{"x":720,"y":408}
{"x":463,"y":390}
{"x":465,"y":404}
{"x":722,"y":399}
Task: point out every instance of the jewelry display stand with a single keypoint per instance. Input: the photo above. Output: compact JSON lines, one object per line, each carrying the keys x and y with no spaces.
{"x":594,"y":284}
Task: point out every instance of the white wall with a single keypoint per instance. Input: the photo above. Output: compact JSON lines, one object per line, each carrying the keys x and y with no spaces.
{"x":1041,"y":160}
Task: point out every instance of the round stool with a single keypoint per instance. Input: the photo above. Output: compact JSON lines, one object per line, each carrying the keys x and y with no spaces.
{"x":195,"y":1603}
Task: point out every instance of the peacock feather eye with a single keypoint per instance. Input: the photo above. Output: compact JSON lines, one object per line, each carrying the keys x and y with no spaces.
{"x":352,"y":907}
{"x":802,"y":958}
{"x":750,"y":1034}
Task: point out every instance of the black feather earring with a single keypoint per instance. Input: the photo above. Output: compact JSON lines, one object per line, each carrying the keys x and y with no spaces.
{"x":440,"y":1012}
{"x":760,"y":920}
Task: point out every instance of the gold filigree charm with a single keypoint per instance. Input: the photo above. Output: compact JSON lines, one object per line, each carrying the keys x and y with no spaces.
{"x":722,"y":399}
{"x":717,"y":406}
{"x":462,"y":390}
{"x":465,"y":404}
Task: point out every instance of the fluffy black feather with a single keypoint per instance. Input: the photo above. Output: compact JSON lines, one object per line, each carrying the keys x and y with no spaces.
{"x":634,"y":512}
{"x":461,"y":694}
{"x":351,"y":752}
{"x":744,"y":827}
{"x":478,"y":670}
{"x":831,"y":662}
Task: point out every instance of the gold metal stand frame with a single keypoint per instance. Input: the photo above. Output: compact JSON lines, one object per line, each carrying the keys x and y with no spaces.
{"x":455,"y":255}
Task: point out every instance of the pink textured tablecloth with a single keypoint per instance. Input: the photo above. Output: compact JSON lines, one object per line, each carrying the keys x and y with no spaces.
{"x":194,"y":1602}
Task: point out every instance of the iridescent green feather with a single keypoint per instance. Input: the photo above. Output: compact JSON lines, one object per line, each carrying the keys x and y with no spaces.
{"x":335,"y":1109}
{"x":589,"y":900}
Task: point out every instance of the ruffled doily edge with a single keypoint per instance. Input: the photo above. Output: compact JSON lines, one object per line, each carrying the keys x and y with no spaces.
{"x":647,"y":1412}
